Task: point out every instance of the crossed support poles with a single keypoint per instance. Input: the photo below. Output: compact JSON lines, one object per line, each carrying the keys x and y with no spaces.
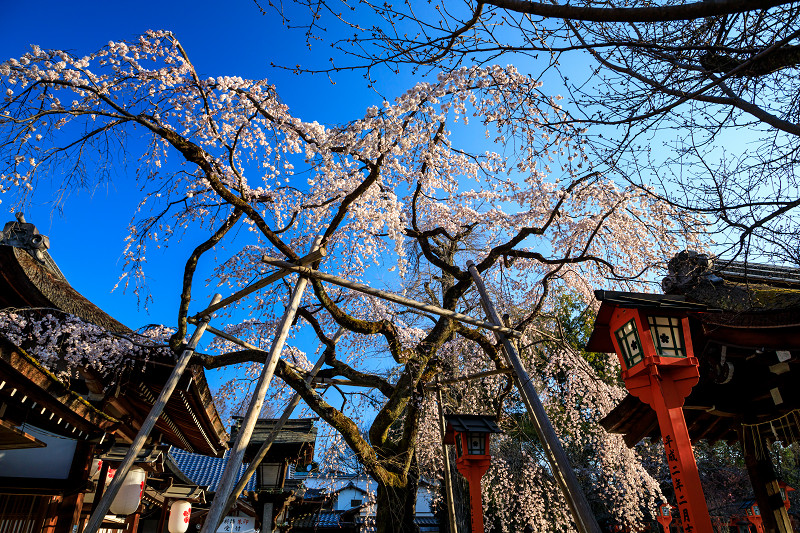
{"x":227,"y":492}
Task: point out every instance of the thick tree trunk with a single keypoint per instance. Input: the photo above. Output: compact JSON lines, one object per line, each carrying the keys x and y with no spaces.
{"x":396,"y":508}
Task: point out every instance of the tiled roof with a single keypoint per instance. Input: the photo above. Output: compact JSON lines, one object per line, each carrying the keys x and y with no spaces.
{"x":320,"y":519}
{"x":204,"y":470}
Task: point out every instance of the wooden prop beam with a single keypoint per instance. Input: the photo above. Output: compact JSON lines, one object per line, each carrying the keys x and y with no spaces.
{"x":470,"y":377}
{"x":149,"y":423}
{"x":559,"y":463}
{"x":448,"y":481}
{"x":396,"y":298}
{"x":236,"y":454}
{"x":287,"y":412}
{"x":314,"y":256}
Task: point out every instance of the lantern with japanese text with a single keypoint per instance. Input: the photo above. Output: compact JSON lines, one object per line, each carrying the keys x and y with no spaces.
{"x":130,"y":492}
{"x":471,"y":436}
{"x":651,"y":337}
{"x":180,"y":512}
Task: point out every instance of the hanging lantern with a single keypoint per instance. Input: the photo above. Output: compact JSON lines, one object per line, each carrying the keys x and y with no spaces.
{"x":179,"y":514}
{"x":97,"y":465}
{"x":130,"y":493}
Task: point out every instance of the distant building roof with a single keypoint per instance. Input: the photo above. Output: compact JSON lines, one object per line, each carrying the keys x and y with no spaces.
{"x":318,"y":520}
{"x":204,"y":470}
{"x":295,"y":441}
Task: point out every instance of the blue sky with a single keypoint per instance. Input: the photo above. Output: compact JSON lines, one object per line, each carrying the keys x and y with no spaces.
{"x":222,"y":38}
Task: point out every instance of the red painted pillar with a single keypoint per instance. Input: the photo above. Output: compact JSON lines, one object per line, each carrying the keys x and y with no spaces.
{"x":664,"y":382}
{"x":473,"y":468}
{"x":691,"y":501}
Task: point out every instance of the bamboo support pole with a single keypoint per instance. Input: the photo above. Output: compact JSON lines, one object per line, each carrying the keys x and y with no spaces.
{"x":147,"y":426}
{"x":314,"y":256}
{"x":448,"y":481}
{"x":236,"y":453}
{"x":336,"y":280}
{"x":287,"y":412}
{"x":559,"y":463}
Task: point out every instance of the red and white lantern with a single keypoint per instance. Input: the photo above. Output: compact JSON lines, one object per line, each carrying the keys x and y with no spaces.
{"x":179,"y":514}
{"x":130,"y":493}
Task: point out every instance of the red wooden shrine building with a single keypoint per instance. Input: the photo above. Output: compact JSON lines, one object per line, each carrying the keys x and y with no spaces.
{"x":714,"y":358}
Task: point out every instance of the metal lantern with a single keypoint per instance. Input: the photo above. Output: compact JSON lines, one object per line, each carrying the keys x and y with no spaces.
{"x":180,"y":512}
{"x":129,"y":496}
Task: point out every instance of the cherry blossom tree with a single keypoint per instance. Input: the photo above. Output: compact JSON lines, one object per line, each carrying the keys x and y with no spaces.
{"x":697,"y":99}
{"x":388,"y":192}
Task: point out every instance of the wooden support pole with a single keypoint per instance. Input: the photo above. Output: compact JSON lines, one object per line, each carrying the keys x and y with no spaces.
{"x":287,"y":412}
{"x":559,"y":463}
{"x":236,"y":454}
{"x":448,"y":481}
{"x":314,"y":256}
{"x":477,"y":375}
{"x":138,"y":443}
{"x":402,"y":300}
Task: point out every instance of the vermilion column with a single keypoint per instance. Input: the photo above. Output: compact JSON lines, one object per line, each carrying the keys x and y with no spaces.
{"x":473,"y":467}
{"x":691,"y":501}
{"x":664,"y":383}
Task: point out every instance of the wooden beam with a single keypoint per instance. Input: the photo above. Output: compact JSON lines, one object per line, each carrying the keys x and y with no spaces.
{"x":312,"y":257}
{"x":267,"y":444}
{"x":236,"y":455}
{"x":396,"y":298}
{"x":478,"y":375}
{"x":557,"y":457}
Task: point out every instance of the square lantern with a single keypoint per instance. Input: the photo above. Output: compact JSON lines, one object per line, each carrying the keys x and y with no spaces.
{"x":470,"y":434}
{"x":651,"y":336}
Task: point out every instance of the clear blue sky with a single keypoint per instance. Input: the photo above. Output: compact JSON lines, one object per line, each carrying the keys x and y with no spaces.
{"x":222,"y":38}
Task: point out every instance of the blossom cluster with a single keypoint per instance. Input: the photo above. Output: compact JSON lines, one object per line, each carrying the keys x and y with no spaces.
{"x":65,"y":343}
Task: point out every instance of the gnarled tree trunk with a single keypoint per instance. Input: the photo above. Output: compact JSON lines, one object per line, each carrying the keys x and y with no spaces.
{"x":396,"y":504}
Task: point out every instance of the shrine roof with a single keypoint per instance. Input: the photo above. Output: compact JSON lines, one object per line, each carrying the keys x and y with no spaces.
{"x":30,"y":279}
{"x":745,"y":328}
{"x":295,"y":440}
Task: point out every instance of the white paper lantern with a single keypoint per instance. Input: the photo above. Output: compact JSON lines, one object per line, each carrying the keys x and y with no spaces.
{"x":130,"y":493}
{"x":179,"y":514}
{"x":94,"y":471}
